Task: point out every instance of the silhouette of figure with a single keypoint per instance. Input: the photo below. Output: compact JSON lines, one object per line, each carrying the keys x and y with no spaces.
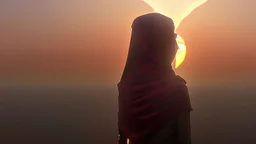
{"x":154,"y":103}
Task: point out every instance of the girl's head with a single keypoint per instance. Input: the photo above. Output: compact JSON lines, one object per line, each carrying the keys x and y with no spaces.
{"x":153,"y":43}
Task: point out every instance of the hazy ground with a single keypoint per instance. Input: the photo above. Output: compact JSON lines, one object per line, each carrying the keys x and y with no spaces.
{"x":57,"y":115}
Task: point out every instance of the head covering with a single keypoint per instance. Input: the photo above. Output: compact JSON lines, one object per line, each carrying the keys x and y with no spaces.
{"x":152,"y":44}
{"x":149,"y":91}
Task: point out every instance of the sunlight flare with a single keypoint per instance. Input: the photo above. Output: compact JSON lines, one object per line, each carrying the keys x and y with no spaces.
{"x":181,"y":53}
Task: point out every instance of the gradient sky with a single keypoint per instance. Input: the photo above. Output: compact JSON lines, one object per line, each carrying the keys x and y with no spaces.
{"x":60,"y":41}
{"x":57,"y":41}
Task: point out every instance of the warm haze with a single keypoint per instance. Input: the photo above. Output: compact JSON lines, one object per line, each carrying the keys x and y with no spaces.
{"x":74,"y":42}
{"x":46,"y":44}
{"x":71,"y":42}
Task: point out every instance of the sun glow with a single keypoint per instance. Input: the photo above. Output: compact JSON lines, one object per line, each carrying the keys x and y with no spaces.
{"x":181,"y":53}
{"x":177,"y":10}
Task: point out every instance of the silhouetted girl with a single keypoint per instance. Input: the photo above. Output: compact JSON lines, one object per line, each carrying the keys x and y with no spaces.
{"x":154,"y":104}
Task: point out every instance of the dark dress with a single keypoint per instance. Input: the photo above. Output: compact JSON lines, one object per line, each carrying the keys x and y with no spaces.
{"x":177,"y":131}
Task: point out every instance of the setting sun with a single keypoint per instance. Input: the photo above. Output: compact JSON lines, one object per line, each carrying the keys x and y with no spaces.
{"x":181,"y":53}
{"x":177,"y":10}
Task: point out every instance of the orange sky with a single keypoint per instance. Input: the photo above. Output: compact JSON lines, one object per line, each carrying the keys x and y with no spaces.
{"x":82,"y":41}
{"x":65,"y":41}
